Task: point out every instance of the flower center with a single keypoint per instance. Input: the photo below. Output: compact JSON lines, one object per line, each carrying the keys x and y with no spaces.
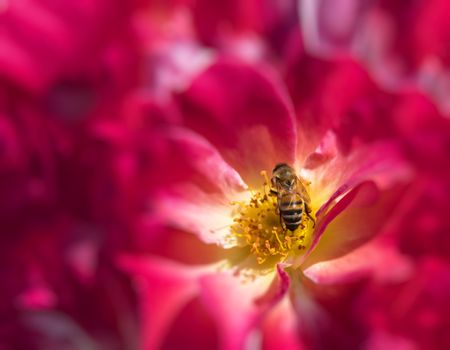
{"x":258,"y":224}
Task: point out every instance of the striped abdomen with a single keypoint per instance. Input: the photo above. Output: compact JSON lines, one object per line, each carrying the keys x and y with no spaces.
{"x":291,"y":210}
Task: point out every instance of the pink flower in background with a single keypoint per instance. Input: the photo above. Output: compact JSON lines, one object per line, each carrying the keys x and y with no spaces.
{"x":62,"y":68}
{"x":402,"y":43}
{"x":133,"y":210}
{"x":40,"y":41}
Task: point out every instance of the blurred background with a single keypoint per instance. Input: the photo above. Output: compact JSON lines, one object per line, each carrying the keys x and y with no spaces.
{"x":87,"y":90}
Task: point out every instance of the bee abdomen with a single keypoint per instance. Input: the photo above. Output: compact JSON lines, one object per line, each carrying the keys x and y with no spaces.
{"x":292,"y":217}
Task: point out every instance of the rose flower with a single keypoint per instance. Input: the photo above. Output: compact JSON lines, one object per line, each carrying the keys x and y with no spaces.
{"x":218,"y":246}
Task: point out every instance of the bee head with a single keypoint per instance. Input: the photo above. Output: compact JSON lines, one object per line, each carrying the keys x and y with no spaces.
{"x":284,"y":175}
{"x":279,"y":166}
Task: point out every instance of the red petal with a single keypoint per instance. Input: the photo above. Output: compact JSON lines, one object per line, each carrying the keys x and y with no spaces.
{"x":280,"y":328}
{"x":40,"y":40}
{"x":331,"y":26}
{"x":197,"y":155}
{"x":245,"y":112}
{"x":164,"y":288}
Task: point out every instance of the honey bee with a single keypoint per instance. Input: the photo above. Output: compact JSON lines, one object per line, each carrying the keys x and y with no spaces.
{"x":292,"y":197}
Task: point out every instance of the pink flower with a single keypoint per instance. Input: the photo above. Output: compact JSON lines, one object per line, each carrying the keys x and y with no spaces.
{"x":58,"y":237}
{"x":401,"y":43}
{"x":217,"y":249}
{"x":64,"y":68}
{"x":41,"y":41}
{"x":413,"y":314}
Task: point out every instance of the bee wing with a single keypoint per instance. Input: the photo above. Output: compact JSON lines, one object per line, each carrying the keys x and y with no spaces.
{"x":302,"y":191}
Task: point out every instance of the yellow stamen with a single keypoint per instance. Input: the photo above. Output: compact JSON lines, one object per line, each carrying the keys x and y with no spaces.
{"x":258,"y":225}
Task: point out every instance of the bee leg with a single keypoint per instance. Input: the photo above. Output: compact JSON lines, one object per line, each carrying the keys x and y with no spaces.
{"x":283,"y":226}
{"x":273,"y":192}
{"x":312,"y":219}
{"x":308,"y":213}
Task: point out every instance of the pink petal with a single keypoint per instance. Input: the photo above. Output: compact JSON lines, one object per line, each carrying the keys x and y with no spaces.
{"x":280,"y":328}
{"x":164,"y":288}
{"x":176,"y":245}
{"x":380,"y":162}
{"x":207,"y":215}
{"x":354,"y":220}
{"x":82,"y":256}
{"x":39,"y":40}
{"x":378,"y":258}
{"x":37,"y":297}
{"x":399,"y":42}
{"x":193,"y":327}
{"x":201,"y":186}
{"x":238,"y":305}
{"x":328,"y":95}
{"x":418,"y":309}
{"x":380,"y":339}
{"x":56,"y":330}
{"x":204,"y":159}
{"x":215,"y":20}
{"x":245,"y":112}
{"x":331,"y":26}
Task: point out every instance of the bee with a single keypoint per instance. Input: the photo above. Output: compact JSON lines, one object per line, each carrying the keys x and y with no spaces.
{"x":292,"y":196}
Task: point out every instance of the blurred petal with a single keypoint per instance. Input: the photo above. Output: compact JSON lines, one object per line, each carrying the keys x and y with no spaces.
{"x":388,"y":341}
{"x":331,"y":26}
{"x":37,"y":297}
{"x":280,"y":328}
{"x":416,"y":309}
{"x":57,"y":330}
{"x":238,"y":305}
{"x":41,"y":40}
{"x":226,"y":22}
{"x":193,"y":328}
{"x":245,"y":112}
{"x":164,"y":288}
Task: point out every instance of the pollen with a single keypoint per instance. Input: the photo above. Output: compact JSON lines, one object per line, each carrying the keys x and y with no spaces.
{"x":258,"y":225}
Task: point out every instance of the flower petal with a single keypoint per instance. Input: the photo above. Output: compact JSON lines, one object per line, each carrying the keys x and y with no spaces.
{"x":205,"y":214}
{"x":177,"y":245}
{"x":251,"y":123}
{"x":377,"y":258}
{"x":331,"y":26}
{"x":354,"y":220}
{"x":41,"y":40}
{"x":379,"y":162}
{"x":280,"y":328}
{"x":164,"y":288}
{"x":193,"y":327}
{"x":202,"y":187}
{"x":238,"y":305}
{"x":332,"y":95}
{"x":204,"y":159}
